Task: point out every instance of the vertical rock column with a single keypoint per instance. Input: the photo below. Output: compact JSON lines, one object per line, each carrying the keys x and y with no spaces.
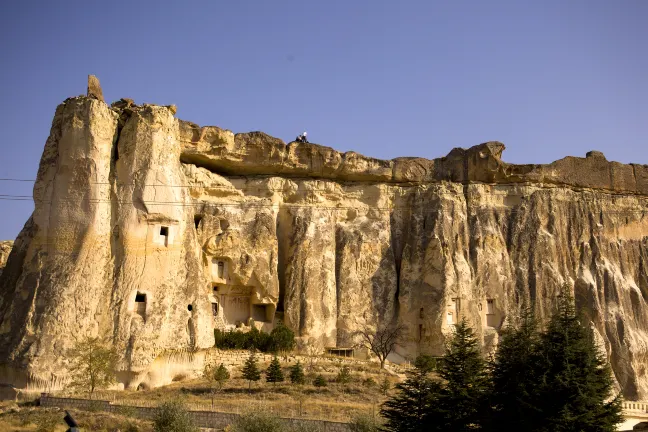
{"x":310,"y":291}
{"x":156,"y":293}
{"x":61,"y":281}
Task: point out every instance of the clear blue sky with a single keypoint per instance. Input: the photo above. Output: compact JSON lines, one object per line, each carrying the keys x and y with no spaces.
{"x":401,"y":78}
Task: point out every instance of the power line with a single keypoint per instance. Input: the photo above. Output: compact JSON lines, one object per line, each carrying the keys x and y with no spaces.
{"x":284,"y":206}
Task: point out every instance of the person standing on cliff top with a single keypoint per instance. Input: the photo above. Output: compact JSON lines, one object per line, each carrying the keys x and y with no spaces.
{"x":302,"y":138}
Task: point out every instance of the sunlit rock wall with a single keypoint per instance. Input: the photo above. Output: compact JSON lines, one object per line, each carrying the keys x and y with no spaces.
{"x":153,"y":232}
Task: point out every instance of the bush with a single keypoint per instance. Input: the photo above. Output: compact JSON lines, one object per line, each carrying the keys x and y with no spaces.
{"x":319,"y":381}
{"x":364,"y":423}
{"x":258,"y":422}
{"x":47,"y":423}
{"x":369,"y":382}
{"x":172,"y":416}
{"x":282,"y":339}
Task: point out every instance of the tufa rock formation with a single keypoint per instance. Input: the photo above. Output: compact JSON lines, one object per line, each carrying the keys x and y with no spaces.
{"x":94,"y":88}
{"x":155,"y":231}
{"x":5,"y":248}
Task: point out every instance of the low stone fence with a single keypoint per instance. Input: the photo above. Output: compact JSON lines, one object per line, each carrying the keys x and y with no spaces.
{"x":236,"y":358}
{"x":204,"y":419}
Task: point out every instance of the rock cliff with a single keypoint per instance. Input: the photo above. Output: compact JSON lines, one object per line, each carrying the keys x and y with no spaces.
{"x":5,"y":248}
{"x":154,"y":231}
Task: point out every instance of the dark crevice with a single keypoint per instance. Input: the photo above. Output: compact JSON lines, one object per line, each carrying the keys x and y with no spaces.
{"x":281,"y":270}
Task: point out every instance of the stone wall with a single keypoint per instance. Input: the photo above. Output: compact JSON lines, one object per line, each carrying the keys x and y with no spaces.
{"x":205,"y":419}
{"x":234,"y":359}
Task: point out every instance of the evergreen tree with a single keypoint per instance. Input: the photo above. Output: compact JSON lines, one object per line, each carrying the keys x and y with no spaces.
{"x":319,"y":381}
{"x":409,"y":409}
{"x":385,"y":386}
{"x":515,"y":377}
{"x":274,"y":373}
{"x":576,"y":389}
{"x":251,"y":370}
{"x":343,"y":376}
{"x":282,"y":339}
{"x":462,"y":397}
{"x":216,"y":377}
{"x":297,"y":374}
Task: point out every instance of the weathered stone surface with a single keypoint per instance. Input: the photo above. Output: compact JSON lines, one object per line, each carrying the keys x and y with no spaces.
{"x":94,"y":88}
{"x":155,"y":231}
{"x":5,"y":248}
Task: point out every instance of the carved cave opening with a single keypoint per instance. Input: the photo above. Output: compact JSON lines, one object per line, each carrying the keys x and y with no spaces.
{"x":214,"y":309}
{"x":140,"y":304}
{"x":164,"y":235}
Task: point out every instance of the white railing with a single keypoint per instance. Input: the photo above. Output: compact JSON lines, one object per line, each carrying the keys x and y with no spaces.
{"x":635,"y":406}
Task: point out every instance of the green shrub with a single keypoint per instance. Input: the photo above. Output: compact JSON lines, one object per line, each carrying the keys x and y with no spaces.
{"x":274,"y":374}
{"x":258,"y":422}
{"x":369,"y":382}
{"x":319,"y":381}
{"x":281,"y":339}
{"x":172,"y":416}
{"x":344,"y":376}
{"x":364,"y":423}
{"x":297,"y":374}
{"x":48,"y":423}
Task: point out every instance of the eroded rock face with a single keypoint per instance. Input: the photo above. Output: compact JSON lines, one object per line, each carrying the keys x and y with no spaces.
{"x":154,"y":231}
{"x":5,"y":248}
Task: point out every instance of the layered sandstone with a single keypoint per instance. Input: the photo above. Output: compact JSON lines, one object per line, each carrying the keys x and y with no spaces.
{"x":154,"y":231}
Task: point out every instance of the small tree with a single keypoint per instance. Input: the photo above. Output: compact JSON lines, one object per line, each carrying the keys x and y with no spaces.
{"x":319,"y":381}
{"x":251,"y":370}
{"x":343,"y":376}
{"x":408,"y":411}
{"x":274,"y":373}
{"x":92,"y":364}
{"x":217,"y":376}
{"x":173,"y":416}
{"x":385,"y":386}
{"x":381,"y":341}
{"x":297,"y":374}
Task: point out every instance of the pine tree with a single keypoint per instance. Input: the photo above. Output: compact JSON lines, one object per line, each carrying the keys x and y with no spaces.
{"x":576,"y":389}
{"x":216,"y":377}
{"x":297,"y":374}
{"x":251,"y":370}
{"x":409,"y":409}
{"x":385,"y":386}
{"x":319,"y":381}
{"x":461,"y":401}
{"x":515,"y":377}
{"x":343,"y":376}
{"x":274,"y":373}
